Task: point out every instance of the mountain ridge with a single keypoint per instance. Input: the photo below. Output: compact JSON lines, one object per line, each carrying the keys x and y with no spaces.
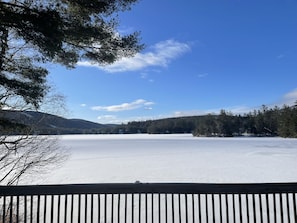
{"x":44,"y":123}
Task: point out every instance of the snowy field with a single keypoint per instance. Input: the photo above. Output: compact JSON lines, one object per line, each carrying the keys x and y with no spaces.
{"x":175,"y":158}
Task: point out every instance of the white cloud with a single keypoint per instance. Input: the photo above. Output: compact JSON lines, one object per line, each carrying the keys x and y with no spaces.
{"x":161,"y":55}
{"x":83,"y":105}
{"x":125,"y":106}
{"x":290,"y":98}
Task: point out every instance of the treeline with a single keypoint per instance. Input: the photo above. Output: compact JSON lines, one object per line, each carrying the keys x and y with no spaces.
{"x":263,"y":122}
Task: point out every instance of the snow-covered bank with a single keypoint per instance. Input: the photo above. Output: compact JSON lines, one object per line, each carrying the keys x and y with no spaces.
{"x":175,"y":158}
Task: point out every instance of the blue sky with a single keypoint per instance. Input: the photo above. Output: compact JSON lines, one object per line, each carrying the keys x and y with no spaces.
{"x":201,"y":56}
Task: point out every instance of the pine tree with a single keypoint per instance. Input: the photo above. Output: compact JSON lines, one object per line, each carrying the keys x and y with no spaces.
{"x":34,"y":32}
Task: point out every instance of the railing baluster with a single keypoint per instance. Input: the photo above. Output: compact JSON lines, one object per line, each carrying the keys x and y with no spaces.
{"x":233,"y":208}
{"x":166,"y":208}
{"x":288,"y":207}
{"x":112,"y":204}
{"x":92,"y":208}
{"x":52,"y":209}
{"x":159,"y":208}
{"x":105,"y":208}
{"x":65,"y":207}
{"x":132,"y":208}
{"x":274,"y":208}
{"x":294,"y":206}
{"x":193,"y":208}
{"x":86,"y":208}
{"x":240,"y":207}
{"x":10,"y":209}
{"x":261,"y":207}
{"x":25,"y":209}
{"x":281,"y":207}
{"x":179,"y":209}
{"x":227,"y":208}
{"x":79,"y":208}
{"x":119,"y":210}
{"x":4,"y":209}
{"x":99,"y":207}
{"x":58,"y":211}
{"x":254,"y":208}
{"x":206,"y":207}
{"x":186,"y":207}
{"x":44,"y":208}
{"x":146,"y":209}
{"x":152,"y":204}
{"x":126,"y":209}
{"x":72,"y":207}
{"x":139,"y":206}
{"x":37,"y":209}
{"x":220,"y":208}
{"x":247,"y":208}
{"x":172,"y":206}
{"x":18,"y":209}
{"x":31,"y":209}
{"x":267,"y":208}
{"x":213,"y":207}
{"x":199,"y":209}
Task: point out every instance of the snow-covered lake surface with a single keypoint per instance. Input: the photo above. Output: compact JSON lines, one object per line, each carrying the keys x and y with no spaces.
{"x":175,"y":158}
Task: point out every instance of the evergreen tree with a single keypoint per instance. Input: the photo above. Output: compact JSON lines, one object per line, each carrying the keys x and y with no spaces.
{"x":34,"y":32}
{"x":288,"y":122}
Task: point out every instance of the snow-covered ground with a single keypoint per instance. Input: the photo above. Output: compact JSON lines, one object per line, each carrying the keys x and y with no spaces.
{"x":175,"y":158}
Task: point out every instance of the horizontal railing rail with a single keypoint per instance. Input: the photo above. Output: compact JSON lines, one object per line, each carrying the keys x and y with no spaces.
{"x":120,"y":188}
{"x":149,"y":203}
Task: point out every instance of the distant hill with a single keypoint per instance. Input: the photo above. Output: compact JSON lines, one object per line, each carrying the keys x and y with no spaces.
{"x":263,"y":122}
{"x":44,"y":123}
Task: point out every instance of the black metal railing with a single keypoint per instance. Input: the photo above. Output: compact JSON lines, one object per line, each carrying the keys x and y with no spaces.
{"x":149,"y":203}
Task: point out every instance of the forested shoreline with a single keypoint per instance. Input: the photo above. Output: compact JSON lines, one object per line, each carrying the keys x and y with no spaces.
{"x":263,"y":122}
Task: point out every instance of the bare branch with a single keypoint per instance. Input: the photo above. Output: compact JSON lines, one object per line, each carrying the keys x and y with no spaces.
{"x":34,"y":155}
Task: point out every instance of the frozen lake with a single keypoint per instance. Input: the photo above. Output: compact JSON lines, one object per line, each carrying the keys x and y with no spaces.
{"x":175,"y":158}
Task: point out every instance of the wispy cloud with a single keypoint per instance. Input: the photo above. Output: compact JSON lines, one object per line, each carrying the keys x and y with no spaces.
{"x":290,"y":98}
{"x":118,"y":120}
{"x":146,"y":77}
{"x":123,"y":30}
{"x":233,"y":110}
{"x":281,"y":56}
{"x":161,"y":55}
{"x":107,"y":119}
{"x":202,"y":75}
{"x":139,"y":103}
